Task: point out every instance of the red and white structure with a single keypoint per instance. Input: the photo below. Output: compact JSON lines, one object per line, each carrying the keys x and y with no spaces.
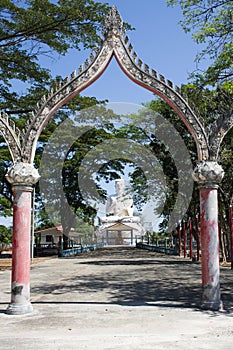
{"x":22,"y":176}
{"x":22,"y":145}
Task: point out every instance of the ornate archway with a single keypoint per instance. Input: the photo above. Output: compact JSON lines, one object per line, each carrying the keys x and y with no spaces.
{"x":22,"y":145}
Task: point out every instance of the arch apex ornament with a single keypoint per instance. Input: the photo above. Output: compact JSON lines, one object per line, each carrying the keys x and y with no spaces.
{"x":113,"y":22}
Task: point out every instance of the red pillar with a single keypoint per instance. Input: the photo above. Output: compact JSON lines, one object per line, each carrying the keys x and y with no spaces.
{"x":231,"y":231}
{"x":184,"y":226}
{"x":179,"y":240}
{"x":190,"y":238}
{"x":198,"y":238}
{"x":22,"y":176}
{"x":211,"y":298}
{"x":209,"y":174}
{"x":20,"y":281}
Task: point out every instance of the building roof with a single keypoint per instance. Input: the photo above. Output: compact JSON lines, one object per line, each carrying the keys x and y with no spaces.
{"x":119,"y":226}
{"x":57,"y":229}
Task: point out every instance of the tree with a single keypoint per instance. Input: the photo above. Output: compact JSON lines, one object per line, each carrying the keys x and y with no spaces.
{"x":226,"y":194}
{"x":30,"y":29}
{"x":5,"y":235}
{"x":210,"y":105}
{"x":64,"y":152}
{"x":211,"y":23}
{"x":173,"y":159}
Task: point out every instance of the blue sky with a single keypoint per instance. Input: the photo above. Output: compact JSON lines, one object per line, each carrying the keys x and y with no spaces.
{"x":158,"y":40}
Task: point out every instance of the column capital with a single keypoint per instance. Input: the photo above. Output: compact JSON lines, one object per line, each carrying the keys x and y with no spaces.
{"x":208,"y":174}
{"x":22,"y":174}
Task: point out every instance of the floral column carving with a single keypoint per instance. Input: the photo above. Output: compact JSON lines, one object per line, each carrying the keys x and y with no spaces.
{"x":209,"y":174}
{"x":22,"y":177}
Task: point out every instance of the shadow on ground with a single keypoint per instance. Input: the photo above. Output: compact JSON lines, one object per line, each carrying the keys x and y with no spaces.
{"x":133,"y":277}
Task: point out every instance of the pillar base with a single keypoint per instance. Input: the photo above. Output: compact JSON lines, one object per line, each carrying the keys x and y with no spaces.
{"x":212,"y":305}
{"x":211,"y":297}
{"x":19,"y":309}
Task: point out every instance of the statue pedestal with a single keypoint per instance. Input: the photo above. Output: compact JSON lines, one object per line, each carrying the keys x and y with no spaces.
{"x":116,"y":230}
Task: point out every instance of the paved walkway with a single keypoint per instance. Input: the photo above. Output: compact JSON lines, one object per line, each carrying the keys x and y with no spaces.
{"x":123,"y":299}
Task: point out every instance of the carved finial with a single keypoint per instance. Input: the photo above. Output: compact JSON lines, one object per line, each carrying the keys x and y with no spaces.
{"x":134,"y":56}
{"x":161,"y":77}
{"x":130,"y":48}
{"x":22,"y":174}
{"x":43,"y":99}
{"x":66,"y":80}
{"x":126,"y":40}
{"x":113,"y":20}
{"x":140,"y":63}
{"x":92,"y":57}
{"x":146,"y":68}
{"x":154,"y":73}
{"x":208,"y":173}
{"x":86,"y":63}
{"x":169,"y":83}
{"x":73,"y":75}
{"x":80,"y":69}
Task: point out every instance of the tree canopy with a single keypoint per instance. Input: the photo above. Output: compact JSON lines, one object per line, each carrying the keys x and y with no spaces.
{"x":211,"y":24}
{"x":30,"y":29}
{"x":5,"y":235}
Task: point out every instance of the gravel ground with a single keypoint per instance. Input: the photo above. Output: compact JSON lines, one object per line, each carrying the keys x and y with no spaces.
{"x":119,"y":298}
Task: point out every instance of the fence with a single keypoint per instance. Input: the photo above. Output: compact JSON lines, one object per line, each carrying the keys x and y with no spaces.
{"x":159,"y":249}
{"x":78,"y":250}
{"x":184,"y":242}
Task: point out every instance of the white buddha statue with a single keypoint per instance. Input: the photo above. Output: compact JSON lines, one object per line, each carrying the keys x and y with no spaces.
{"x":121,"y":204}
{"x":120,"y":224}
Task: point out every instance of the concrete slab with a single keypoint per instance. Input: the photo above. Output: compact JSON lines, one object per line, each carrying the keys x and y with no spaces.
{"x":120,"y":298}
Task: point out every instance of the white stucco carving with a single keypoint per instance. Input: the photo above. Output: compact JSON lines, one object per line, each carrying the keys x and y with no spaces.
{"x":22,"y":174}
{"x":208,"y":171}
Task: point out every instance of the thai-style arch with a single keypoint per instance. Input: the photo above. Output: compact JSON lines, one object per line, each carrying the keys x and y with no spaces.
{"x":22,"y":145}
